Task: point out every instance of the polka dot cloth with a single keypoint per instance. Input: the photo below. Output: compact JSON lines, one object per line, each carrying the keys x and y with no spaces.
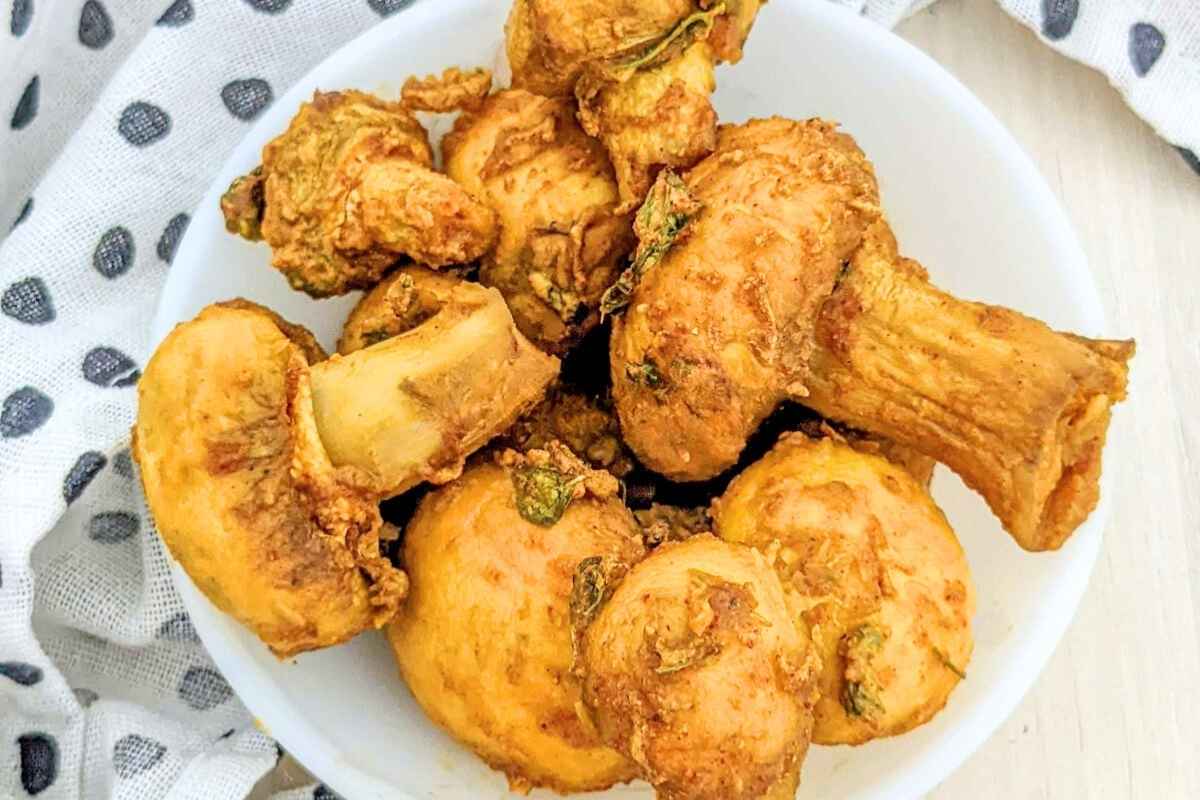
{"x":1149,"y":50}
{"x":114,"y":116}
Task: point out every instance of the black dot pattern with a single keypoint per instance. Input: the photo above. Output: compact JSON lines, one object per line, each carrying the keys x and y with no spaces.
{"x":20,"y":672}
{"x":27,"y":106}
{"x":179,"y":13}
{"x":143,"y":123}
{"x":169,"y":241}
{"x":1146,"y":43}
{"x":269,"y":6}
{"x":134,"y":754}
{"x":1058,"y":17}
{"x":323,"y":792}
{"x":81,"y":474}
{"x":114,"y":252}
{"x":23,"y":412}
{"x":246,"y":99}
{"x":95,"y":26}
{"x":203,"y":688}
{"x":22,"y":15}
{"x":28,"y":300}
{"x":85,"y":696}
{"x":1191,"y":158}
{"x":26,"y":210}
{"x":123,"y":464}
{"x":178,"y":629}
{"x":107,"y":366}
{"x":385,"y":8}
{"x":111,"y":527}
{"x":39,"y":762}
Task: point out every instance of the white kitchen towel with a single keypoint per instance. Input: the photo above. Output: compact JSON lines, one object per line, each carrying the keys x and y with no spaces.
{"x":114,"y":116}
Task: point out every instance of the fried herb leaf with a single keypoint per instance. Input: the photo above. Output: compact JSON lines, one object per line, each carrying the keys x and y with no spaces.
{"x":948,"y":664}
{"x":663,"y":217}
{"x":860,"y":695}
{"x":645,"y":374}
{"x":692,"y":28}
{"x":543,"y":493}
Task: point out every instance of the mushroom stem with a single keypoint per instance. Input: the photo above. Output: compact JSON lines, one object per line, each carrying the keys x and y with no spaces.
{"x":413,"y":407}
{"x":1017,"y":409}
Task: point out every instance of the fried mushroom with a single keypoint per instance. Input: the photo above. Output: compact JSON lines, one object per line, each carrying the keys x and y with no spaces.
{"x":693,"y":666}
{"x":874,"y":573}
{"x":484,"y":641}
{"x":347,"y":190}
{"x":553,"y":190}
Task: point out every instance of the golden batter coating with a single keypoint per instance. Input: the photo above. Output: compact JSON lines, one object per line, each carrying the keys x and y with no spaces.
{"x":1018,"y":410}
{"x":642,"y":73}
{"x":693,"y":666}
{"x":400,"y":302}
{"x":786,"y":283}
{"x":347,"y":190}
{"x":741,"y":253}
{"x":484,"y":640}
{"x":243,"y":492}
{"x":584,"y":424}
{"x":412,"y":407}
{"x":453,"y":90}
{"x":874,"y":574}
{"x":554,"y":193}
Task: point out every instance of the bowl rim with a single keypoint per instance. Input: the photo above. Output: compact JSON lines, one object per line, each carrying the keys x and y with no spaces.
{"x":269,"y":703}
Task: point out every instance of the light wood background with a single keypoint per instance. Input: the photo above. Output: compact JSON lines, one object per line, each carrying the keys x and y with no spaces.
{"x":1116,"y":714}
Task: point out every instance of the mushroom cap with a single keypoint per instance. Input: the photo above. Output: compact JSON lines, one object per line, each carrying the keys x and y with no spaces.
{"x":243,"y":493}
{"x":874,"y":572}
{"x":695,"y":669}
{"x":484,"y":641}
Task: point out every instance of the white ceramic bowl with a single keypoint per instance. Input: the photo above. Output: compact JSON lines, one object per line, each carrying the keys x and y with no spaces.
{"x":964,"y":200}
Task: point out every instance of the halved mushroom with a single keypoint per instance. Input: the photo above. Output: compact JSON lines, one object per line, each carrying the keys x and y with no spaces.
{"x":264,"y":467}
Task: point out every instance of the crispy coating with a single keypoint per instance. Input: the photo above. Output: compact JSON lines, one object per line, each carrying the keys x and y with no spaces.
{"x":554,"y":193}
{"x":660,"y":116}
{"x":693,"y":666}
{"x":787,"y":283}
{"x":453,"y":90}
{"x":243,"y":493}
{"x":874,"y":574}
{"x":642,"y":73}
{"x":348,"y":189}
{"x":550,"y":41}
{"x":586,"y":425}
{"x":919,"y":465}
{"x":412,"y":407}
{"x":723,"y":319}
{"x":484,"y":640}
{"x":898,"y":357}
{"x":400,"y":302}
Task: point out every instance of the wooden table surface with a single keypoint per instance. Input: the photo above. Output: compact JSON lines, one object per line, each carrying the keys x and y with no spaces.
{"x":1116,"y":714}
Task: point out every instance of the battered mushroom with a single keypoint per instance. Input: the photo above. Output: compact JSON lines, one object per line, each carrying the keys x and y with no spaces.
{"x":693,"y":666}
{"x":554,"y":193}
{"x":264,"y":466}
{"x":642,"y":73}
{"x":243,"y":492}
{"x":484,"y":640}
{"x":767,"y":273}
{"x":399,"y":303}
{"x":348,"y":189}
{"x":875,"y":574}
